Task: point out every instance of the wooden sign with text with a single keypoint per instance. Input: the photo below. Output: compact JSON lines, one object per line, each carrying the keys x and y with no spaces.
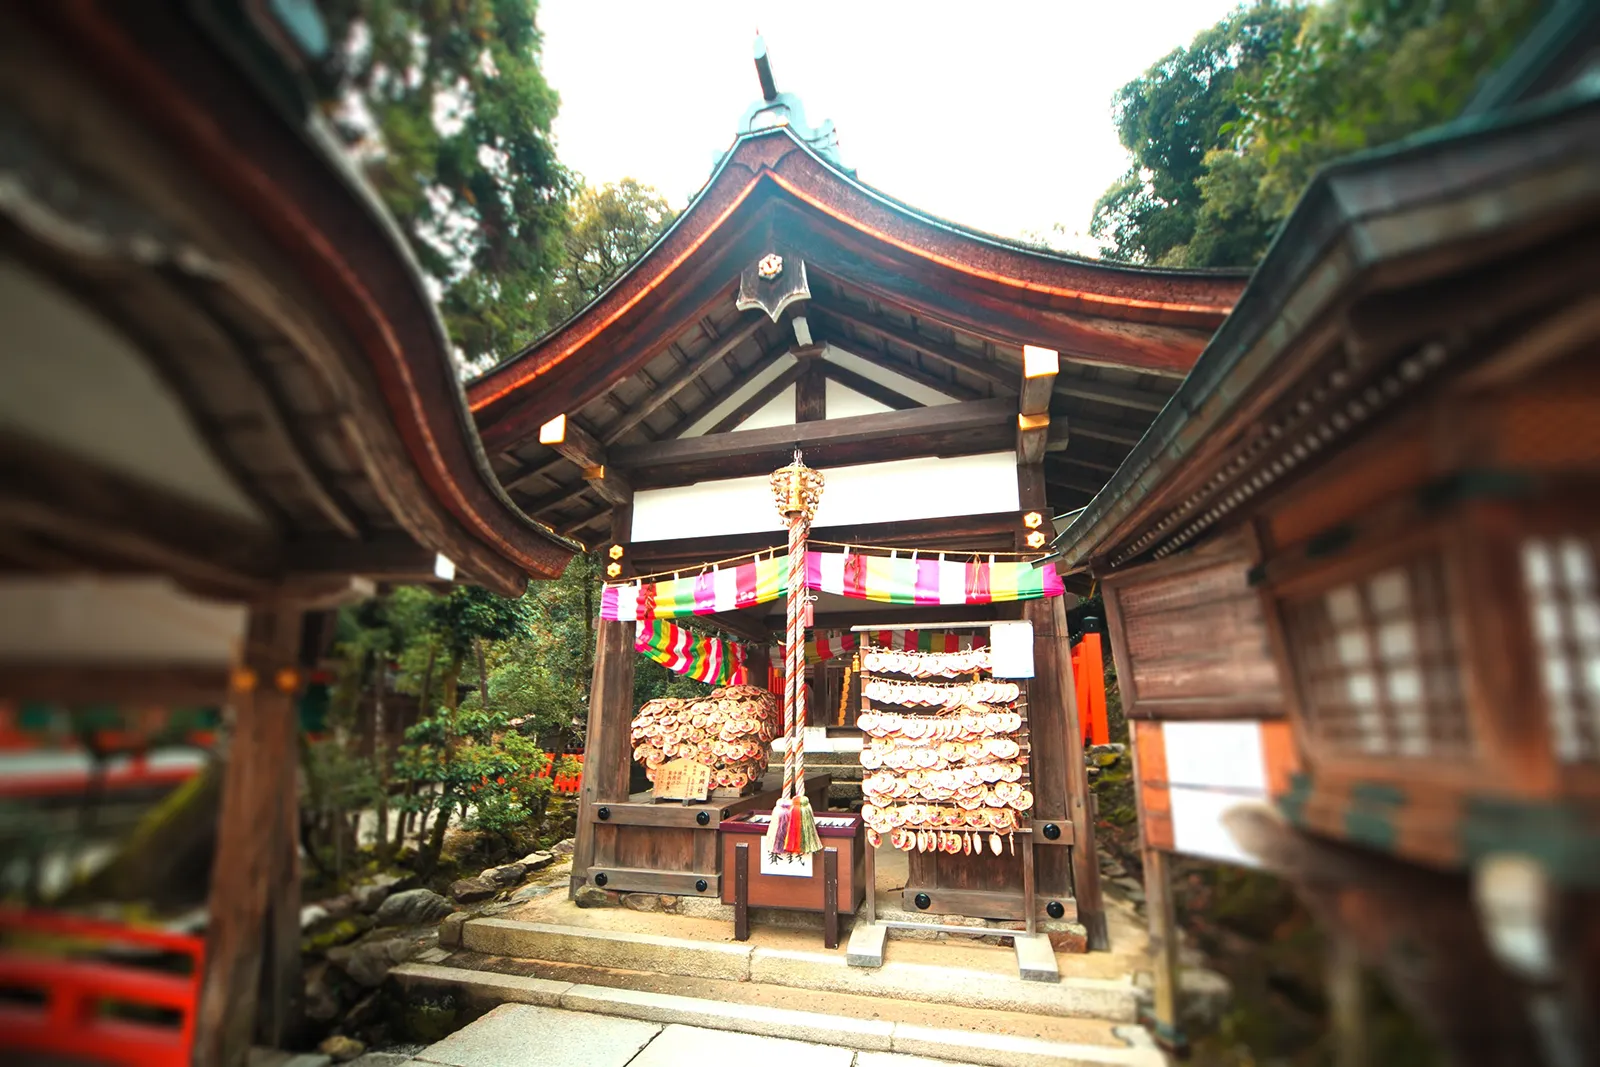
{"x":682,"y":779}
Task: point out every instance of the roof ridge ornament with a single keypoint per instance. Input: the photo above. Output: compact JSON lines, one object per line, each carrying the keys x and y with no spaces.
{"x":775,"y":109}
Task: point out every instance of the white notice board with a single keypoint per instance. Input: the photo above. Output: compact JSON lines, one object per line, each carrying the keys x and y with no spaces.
{"x":1011,"y":649}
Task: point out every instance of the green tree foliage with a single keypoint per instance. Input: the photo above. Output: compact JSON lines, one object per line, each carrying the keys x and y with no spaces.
{"x":449,"y":112}
{"x":1226,"y":133}
{"x":608,"y":228}
{"x":1184,"y":107}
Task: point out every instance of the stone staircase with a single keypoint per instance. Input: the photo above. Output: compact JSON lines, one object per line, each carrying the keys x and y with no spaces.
{"x":915,"y":1005}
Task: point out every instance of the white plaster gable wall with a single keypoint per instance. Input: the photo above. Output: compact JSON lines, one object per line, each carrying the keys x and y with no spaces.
{"x":849,"y":402}
{"x":779,"y":411}
{"x":928,"y":488}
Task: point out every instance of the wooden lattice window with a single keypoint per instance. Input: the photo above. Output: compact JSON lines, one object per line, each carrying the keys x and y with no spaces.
{"x":1377,"y":663}
{"x":1564,"y":608}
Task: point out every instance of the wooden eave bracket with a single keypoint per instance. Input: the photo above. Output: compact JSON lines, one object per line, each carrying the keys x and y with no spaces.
{"x":1039,"y":369}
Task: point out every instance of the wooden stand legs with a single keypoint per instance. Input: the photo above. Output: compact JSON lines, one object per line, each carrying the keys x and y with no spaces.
{"x":830,"y":897}
{"x":607,"y":757}
{"x":830,"y":894}
{"x":741,"y":892}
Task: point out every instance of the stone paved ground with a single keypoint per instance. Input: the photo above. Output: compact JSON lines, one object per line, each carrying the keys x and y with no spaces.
{"x":522,"y":1035}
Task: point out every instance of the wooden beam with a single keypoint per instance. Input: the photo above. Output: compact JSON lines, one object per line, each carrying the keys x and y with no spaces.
{"x":393,"y":557}
{"x":1102,"y":431}
{"x":811,"y":391}
{"x":683,"y":377}
{"x":1091,"y":488}
{"x":758,"y":400}
{"x":110,"y":520}
{"x":565,"y":494}
{"x":563,"y":434}
{"x":905,"y":615}
{"x":881,"y":357}
{"x":741,"y":378}
{"x":1079,"y":461}
{"x":113,"y":683}
{"x":543,"y":470}
{"x":609,"y":483}
{"x":1101,"y":392}
{"x":742,"y":625}
{"x":994,"y":373}
{"x":868,"y":388}
{"x":947,"y":430}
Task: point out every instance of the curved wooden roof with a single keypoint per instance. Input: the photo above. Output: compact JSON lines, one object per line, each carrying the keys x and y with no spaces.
{"x":262,"y":277}
{"x":772,"y":186}
{"x":932,"y":302}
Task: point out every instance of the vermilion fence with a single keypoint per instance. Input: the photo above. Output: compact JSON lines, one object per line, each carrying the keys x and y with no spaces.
{"x":565,"y":784}
{"x":60,"y":996}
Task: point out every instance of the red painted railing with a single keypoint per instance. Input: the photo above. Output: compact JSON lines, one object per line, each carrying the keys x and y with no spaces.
{"x":59,"y":1005}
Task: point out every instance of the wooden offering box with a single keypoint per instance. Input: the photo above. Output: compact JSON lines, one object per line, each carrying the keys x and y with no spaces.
{"x":842,"y":831}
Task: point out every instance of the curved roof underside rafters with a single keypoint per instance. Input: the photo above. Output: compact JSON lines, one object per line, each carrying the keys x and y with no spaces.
{"x":772,"y":188}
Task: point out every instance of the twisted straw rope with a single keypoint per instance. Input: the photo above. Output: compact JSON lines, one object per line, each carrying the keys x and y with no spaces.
{"x":794,"y":657}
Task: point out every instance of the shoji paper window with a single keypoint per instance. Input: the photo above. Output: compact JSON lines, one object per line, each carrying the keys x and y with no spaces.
{"x":1377,"y":665}
{"x":1565,"y":617}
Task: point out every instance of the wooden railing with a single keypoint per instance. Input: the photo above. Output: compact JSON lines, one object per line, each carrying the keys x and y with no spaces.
{"x":60,"y":996}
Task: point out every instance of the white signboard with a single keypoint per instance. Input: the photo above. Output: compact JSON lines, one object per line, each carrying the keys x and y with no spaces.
{"x":1011,"y":649}
{"x":795,"y":868}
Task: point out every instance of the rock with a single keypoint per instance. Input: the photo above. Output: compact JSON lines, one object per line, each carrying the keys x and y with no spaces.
{"x":532,"y":892}
{"x":1094,"y":772}
{"x":414,"y":907}
{"x":368,"y":963}
{"x":592,"y":896}
{"x":669,"y":904}
{"x":1112,"y":869}
{"x":311,"y":915}
{"x":192,"y":922}
{"x":366,"y":1011}
{"x":450,"y":929}
{"x":368,"y":898}
{"x":641,"y":901}
{"x":1069,"y":940}
{"x":472,"y":890}
{"x":333,"y":933}
{"x":341,"y":1048}
{"x":504,"y":875}
{"x":322,"y":999}
{"x":536,"y":861}
{"x":1205,"y":999}
{"x":564,"y":848}
{"x":340,"y":906}
{"x":1107,"y":759}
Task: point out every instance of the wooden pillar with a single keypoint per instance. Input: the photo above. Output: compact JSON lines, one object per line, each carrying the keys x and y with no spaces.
{"x":1163,"y":948}
{"x":255,"y":891}
{"x":1061,"y":782}
{"x":607,"y":757}
{"x":1346,"y":1000}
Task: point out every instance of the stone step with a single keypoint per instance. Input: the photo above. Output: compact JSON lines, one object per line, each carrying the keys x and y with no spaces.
{"x":1101,"y":1046}
{"x":1114,"y":1000}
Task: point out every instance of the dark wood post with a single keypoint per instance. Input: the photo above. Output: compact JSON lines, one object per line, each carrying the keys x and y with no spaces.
{"x":253,"y":881}
{"x":1060,"y":780}
{"x":607,"y":757}
{"x":1080,"y":801}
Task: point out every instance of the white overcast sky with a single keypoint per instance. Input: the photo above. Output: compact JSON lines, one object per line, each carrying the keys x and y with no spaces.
{"x":995,"y":114}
